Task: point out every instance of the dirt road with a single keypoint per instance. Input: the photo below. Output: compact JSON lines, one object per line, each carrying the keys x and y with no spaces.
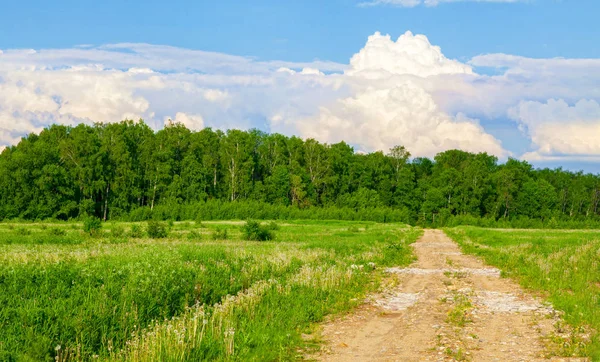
{"x":446,"y":306}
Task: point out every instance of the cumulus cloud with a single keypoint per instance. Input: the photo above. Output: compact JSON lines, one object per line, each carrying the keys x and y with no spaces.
{"x":191,"y":121}
{"x":410,"y":54}
{"x":378,"y":119}
{"x":390,"y":106}
{"x":560,"y":130}
{"x":401,"y":91}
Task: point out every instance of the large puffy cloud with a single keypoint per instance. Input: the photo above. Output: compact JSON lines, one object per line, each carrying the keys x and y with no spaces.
{"x":390,"y":104}
{"x":410,"y":54}
{"x":377,"y":119}
{"x":392,"y":92}
{"x":377,"y":101}
{"x":559,"y":130}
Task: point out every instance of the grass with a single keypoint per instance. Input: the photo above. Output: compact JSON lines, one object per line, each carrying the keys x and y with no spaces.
{"x":562,"y":265}
{"x":119,"y":295}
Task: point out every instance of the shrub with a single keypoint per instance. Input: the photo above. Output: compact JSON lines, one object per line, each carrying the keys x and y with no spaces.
{"x":157,"y":230}
{"x":23,"y":231}
{"x":353,"y":229}
{"x":194,"y":235}
{"x":92,"y":225}
{"x":136,"y":231}
{"x":219,"y":234}
{"x":253,"y":230}
{"x":57,"y":232}
{"x":117,"y":231}
{"x":273,"y":226}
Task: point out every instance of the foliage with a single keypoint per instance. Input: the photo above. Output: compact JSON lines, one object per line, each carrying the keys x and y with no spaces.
{"x":273,"y":226}
{"x":157,"y":230}
{"x":92,"y":225}
{"x":57,"y":232}
{"x":254,"y":230}
{"x":126,"y":171}
{"x":117,"y":231}
{"x":219,"y":234}
{"x":136,"y":231}
{"x":227,"y":301}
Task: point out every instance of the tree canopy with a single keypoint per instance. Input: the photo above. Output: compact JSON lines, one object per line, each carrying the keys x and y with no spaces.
{"x":111,"y":170}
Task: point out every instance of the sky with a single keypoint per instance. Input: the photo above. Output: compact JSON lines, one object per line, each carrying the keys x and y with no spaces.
{"x":514,"y":78}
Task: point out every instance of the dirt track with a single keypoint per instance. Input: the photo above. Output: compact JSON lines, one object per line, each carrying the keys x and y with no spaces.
{"x":446,"y":306}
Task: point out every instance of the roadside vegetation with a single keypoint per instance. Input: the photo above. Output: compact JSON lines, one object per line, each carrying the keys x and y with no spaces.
{"x":562,"y":265}
{"x":173,"y":291}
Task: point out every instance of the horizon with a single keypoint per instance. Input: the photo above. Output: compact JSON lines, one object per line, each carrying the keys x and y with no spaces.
{"x":517,"y":78}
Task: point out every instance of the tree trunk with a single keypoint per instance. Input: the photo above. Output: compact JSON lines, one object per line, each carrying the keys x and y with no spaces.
{"x":154,"y":193}
{"x":106,"y":201}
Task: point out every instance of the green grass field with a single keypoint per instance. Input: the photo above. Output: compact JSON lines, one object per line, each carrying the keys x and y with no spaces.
{"x":562,"y":265}
{"x":201,"y":293}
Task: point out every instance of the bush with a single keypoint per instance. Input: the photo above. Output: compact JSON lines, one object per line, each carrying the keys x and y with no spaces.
{"x":157,"y":230}
{"x":117,"y":231}
{"x":57,"y":232}
{"x":23,"y":231}
{"x":353,"y":229}
{"x":136,"y":231}
{"x":219,"y":234}
{"x":273,"y":226}
{"x":92,"y":225}
{"x":253,"y":230}
{"x":194,"y":235}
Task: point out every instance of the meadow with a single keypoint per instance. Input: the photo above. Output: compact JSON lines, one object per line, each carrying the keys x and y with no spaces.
{"x":562,"y":266}
{"x":195,"y":291}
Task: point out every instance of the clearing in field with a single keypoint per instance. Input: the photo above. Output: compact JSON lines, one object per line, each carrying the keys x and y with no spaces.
{"x":450,"y":306}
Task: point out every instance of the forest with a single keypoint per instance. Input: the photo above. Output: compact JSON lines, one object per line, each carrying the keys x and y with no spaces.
{"x":127,"y":171}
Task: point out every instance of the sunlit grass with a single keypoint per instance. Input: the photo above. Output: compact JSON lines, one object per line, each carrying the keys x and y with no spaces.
{"x":183,"y":298}
{"x":563,"y":265}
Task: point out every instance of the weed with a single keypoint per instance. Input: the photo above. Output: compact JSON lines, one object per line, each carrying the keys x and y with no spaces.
{"x":92,"y":226}
{"x":136,"y":231}
{"x":117,"y":231}
{"x":460,"y":314}
{"x":194,"y":235}
{"x":219,"y":234}
{"x":57,"y":232}
{"x":253,"y":230}
{"x":156,"y":230}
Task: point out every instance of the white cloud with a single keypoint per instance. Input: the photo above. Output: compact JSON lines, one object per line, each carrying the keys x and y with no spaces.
{"x":390,"y":106}
{"x":378,"y":119}
{"x":410,"y":54}
{"x":191,"y":121}
{"x":413,"y":3}
{"x":557,"y":129}
{"x":402,"y":91}
{"x":216,"y":95}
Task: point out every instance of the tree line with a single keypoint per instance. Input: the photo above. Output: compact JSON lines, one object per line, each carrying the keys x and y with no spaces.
{"x":120,"y":170}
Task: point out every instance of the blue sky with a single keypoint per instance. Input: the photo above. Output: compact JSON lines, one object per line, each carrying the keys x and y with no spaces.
{"x":497,"y":87}
{"x":302,"y":30}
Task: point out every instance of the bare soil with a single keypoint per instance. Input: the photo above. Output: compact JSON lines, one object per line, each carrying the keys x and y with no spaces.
{"x":446,"y":306}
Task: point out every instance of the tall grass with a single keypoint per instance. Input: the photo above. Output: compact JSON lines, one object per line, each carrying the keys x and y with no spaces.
{"x":184,"y":298}
{"x":563,"y":264}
